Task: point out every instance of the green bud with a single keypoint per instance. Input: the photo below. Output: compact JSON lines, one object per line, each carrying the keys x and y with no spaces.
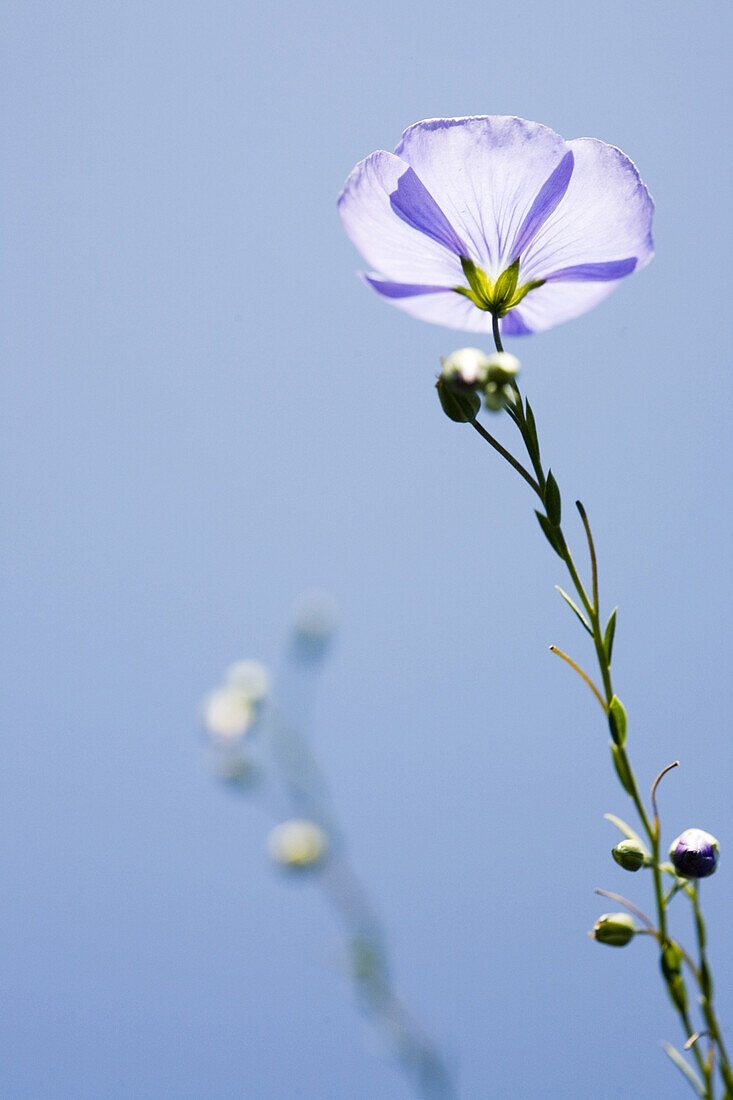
{"x":629,"y":855}
{"x":502,"y":367}
{"x":614,"y":929}
{"x":460,"y":406}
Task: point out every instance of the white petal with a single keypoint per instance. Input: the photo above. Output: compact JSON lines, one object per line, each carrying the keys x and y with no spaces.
{"x":553,"y":303}
{"x":394,"y":248}
{"x":442,"y":308}
{"x":485,"y":174}
{"x":606,"y":215}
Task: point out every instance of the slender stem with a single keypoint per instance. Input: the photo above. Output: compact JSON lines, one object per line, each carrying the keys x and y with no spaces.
{"x":509,"y":457}
{"x":583,"y":675}
{"x":592,"y":551}
{"x":495,"y":327}
{"x":706,"y":989}
{"x":652,"y":830}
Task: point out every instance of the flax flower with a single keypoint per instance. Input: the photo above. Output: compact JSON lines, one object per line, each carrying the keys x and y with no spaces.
{"x":493,"y":215}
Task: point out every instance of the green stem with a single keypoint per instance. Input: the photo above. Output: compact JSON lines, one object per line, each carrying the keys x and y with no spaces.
{"x":651,"y":828}
{"x":706,"y":990}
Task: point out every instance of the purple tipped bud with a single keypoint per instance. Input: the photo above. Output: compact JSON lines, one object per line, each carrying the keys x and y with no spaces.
{"x":695,"y":854}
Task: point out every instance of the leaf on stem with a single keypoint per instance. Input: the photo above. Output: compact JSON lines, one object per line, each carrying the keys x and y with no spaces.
{"x":627,"y":831}
{"x":617,"y":720}
{"x":684,"y":1068}
{"x":551,"y":498}
{"x":551,"y":533}
{"x":532,"y":440}
{"x":575,"y":608}
{"x":609,"y":635}
{"x":622,"y":769}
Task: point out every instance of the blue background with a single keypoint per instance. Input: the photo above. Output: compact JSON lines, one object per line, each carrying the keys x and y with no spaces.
{"x":204,"y":412}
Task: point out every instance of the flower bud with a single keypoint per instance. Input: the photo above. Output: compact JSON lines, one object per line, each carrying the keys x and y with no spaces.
{"x":694,"y":853}
{"x":467,"y":368}
{"x":297,"y":844}
{"x":251,"y":678}
{"x":459,"y":405}
{"x":228,"y":714}
{"x":502,"y":368}
{"x":614,"y":929}
{"x":629,"y":854}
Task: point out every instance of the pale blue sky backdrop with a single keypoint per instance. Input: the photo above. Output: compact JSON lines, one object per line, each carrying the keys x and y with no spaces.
{"x":204,"y":412}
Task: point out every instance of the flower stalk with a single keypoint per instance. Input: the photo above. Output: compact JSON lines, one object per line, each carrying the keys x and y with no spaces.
{"x":672,"y":956}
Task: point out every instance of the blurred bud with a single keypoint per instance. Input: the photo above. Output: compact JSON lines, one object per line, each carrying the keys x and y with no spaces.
{"x":694,"y":853}
{"x":466,"y":368}
{"x":614,"y":929}
{"x":502,"y":368}
{"x":629,"y":854}
{"x":251,"y":678}
{"x":297,"y":844}
{"x":315,"y":614}
{"x":459,"y":405}
{"x":228,"y":714}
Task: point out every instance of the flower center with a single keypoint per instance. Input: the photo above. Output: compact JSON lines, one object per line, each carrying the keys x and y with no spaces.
{"x":498,"y":297}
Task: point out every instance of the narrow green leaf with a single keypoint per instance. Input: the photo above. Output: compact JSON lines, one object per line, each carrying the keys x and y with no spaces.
{"x":626,"y":830}
{"x":684,"y":1068}
{"x":575,"y":608}
{"x":533,"y":444}
{"x":609,"y":635}
{"x":617,"y":720}
{"x":551,"y":497}
{"x":551,"y":533}
{"x":622,"y":769}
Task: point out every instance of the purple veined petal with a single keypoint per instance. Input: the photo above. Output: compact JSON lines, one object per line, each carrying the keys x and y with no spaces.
{"x":493,"y":177}
{"x":604,"y":218}
{"x":438,"y":305}
{"x":553,"y":303}
{"x":595,"y":273}
{"x":402,"y":290}
{"x":549,"y":197}
{"x":416,"y":206}
{"x":398,"y":250}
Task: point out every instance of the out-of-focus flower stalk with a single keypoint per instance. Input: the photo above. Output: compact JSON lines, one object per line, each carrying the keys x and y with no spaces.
{"x":311,"y":842}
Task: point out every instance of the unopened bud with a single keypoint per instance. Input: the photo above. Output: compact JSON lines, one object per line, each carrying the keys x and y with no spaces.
{"x":502,"y":367}
{"x":629,"y":854}
{"x":467,"y":368}
{"x":297,"y":844}
{"x":228,"y":714}
{"x":459,"y":405}
{"x":614,"y":929}
{"x":694,"y":853}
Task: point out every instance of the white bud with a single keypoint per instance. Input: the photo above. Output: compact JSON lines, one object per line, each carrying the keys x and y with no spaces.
{"x":228,"y":713}
{"x":467,"y":367}
{"x":297,"y":844}
{"x":502,"y":367}
{"x":251,"y":678}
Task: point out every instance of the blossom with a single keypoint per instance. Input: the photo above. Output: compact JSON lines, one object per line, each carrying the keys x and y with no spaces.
{"x":694,"y":853}
{"x":492,"y":214}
